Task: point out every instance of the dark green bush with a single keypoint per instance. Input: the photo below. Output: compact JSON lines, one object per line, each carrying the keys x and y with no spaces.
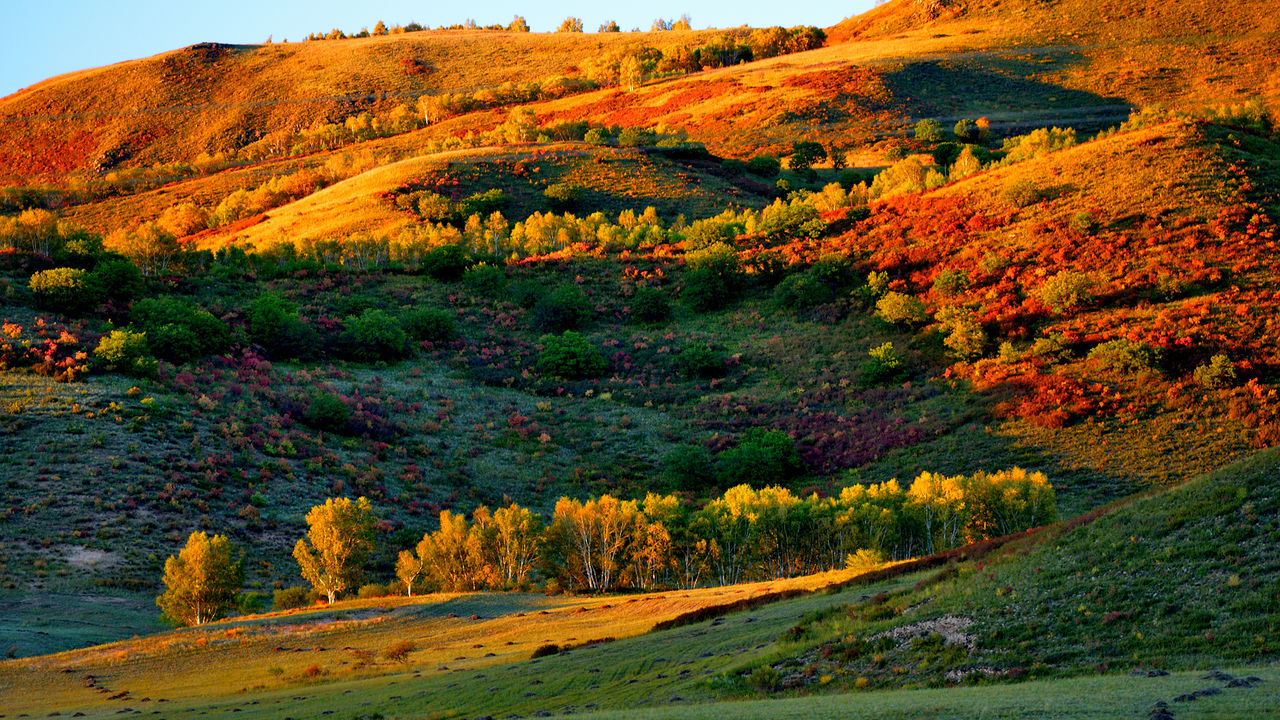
{"x":689,"y":467}
{"x":801,"y":291}
{"x":290,"y":598}
{"x":713,"y":278}
{"x":273,"y":323}
{"x":528,"y":292}
{"x":446,"y":262}
{"x":570,"y":356}
{"x":327,"y":411}
{"x":762,"y":457}
{"x":565,"y":308}
{"x":563,"y":197}
{"x":179,"y":331}
{"x":115,"y":279}
{"x":882,"y":366}
{"x":764,"y":166}
{"x":430,"y":324}
{"x":374,"y":335}
{"x":62,"y":290}
{"x":545,"y":650}
{"x":649,"y":305}
{"x":699,"y":360}
{"x":485,"y":279}
{"x":483,"y":204}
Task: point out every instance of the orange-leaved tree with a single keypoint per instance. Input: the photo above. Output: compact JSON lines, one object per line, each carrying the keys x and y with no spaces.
{"x":341,"y":539}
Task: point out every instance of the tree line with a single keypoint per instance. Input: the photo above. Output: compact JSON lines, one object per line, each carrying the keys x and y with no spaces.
{"x":605,"y":544}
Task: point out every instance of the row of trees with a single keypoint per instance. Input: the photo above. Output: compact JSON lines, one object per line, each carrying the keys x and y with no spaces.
{"x":606,"y":543}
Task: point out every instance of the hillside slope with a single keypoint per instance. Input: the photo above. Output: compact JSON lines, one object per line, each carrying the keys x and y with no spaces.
{"x":213,"y":97}
{"x":1022,"y":65}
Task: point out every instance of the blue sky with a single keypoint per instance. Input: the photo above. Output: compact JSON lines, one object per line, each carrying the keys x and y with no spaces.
{"x":43,"y":38}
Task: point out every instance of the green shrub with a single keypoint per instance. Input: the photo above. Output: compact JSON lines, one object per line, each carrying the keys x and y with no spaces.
{"x":565,"y":308}
{"x":876,"y":286}
{"x":965,"y":337}
{"x":545,"y":650}
{"x":118,"y":280}
{"x":273,"y":323}
{"x":179,"y":331}
{"x":765,"y":679}
{"x":62,"y":290}
{"x":1023,"y":193}
{"x":762,"y":457}
{"x":327,"y":411}
{"x":528,"y":292}
{"x":928,"y":131}
{"x":446,"y":262}
{"x":699,"y":360}
{"x":125,"y":352}
{"x":1066,"y":291}
{"x":764,"y":166}
{"x":597,"y":136}
{"x":1219,"y":372}
{"x":372,"y":590}
{"x":951,"y":281}
{"x":483,"y":204}
{"x":689,"y":467}
{"x":1084,"y":223}
{"x":713,"y":278}
{"x":1125,"y":355}
{"x":570,"y":356}
{"x":1052,"y":348}
{"x":901,"y":309}
{"x":650,"y":306}
{"x":430,"y":324}
{"x":637,"y":137}
{"x":374,"y":335}
{"x":290,"y":598}
{"x":485,"y":279}
{"x":882,"y":366}
{"x":563,"y":197}
{"x":802,"y":290}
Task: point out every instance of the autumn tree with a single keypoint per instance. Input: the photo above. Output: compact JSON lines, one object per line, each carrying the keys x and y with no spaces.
{"x":610,"y":27}
{"x":570,"y":24}
{"x":518,"y":24}
{"x":408,"y":568}
{"x":380,"y":29}
{"x":202,"y":581}
{"x":630,"y":73}
{"x":516,"y":544}
{"x":341,"y":539}
{"x":446,"y":555}
{"x":150,"y":246}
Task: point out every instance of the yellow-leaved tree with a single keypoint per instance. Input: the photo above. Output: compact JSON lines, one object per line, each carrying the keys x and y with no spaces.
{"x":341,"y":538}
{"x":202,"y":581}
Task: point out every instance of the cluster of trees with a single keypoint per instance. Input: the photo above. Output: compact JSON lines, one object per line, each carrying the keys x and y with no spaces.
{"x":517,"y":24}
{"x":606,"y":543}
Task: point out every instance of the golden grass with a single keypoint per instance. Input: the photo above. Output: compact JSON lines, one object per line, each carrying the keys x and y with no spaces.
{"x":275,"y":650}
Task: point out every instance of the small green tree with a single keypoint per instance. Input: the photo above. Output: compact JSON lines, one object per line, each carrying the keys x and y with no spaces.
{"x":901,"y":309}
{"x":202,"y":581}
{"x":928,"y":130}
{"x":570,"y":356}
{"x":125,"y":352}
{"x":341,"y":539}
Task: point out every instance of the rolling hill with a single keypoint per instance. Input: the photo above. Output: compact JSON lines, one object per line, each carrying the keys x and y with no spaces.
{"x":238,"y":280}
